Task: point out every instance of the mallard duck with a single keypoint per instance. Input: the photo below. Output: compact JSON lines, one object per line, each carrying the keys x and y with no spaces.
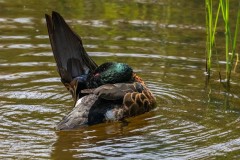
{"x":108,"y":92}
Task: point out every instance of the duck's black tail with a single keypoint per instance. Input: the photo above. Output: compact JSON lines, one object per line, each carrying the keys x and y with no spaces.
{"x":71,"y":58}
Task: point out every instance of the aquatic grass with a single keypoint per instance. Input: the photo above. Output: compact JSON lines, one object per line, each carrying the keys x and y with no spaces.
{"x":211,"y":30}
{"x":234,"y":45}
{"x":230,"y":44}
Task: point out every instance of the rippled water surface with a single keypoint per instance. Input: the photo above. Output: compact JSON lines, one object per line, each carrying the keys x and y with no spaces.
{"x":164,"y":42}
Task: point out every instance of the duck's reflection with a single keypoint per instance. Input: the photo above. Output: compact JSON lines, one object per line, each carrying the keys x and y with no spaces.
{"x":101,"y":140}
{"x":74,"y":143}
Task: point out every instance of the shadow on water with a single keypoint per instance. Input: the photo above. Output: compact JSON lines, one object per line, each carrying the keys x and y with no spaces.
{"x":163,"y":43}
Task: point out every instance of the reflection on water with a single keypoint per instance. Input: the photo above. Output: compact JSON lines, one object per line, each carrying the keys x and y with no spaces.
{"x":163,"y":44}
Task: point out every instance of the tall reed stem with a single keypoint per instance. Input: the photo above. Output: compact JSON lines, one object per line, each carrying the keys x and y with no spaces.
{"x":211,"y":30}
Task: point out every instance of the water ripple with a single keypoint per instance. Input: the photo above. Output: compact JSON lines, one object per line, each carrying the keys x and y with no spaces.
{"x":13,"y":37}
{"x":26,"y":64}
{"x":30,"y":108}
{"x":25,"y":46}
{"x":136,"y":22}
{"x":166,"y":92}
{"x":22,"y":20}
{"x":26,"y":95}
{"x":141,"y":55}
{"x":22,"y":75}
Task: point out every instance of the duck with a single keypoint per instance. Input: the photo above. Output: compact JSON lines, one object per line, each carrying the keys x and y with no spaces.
{"x":102,"y":93}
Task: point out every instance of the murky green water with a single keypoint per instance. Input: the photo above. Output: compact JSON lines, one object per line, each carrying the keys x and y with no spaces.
{"x":163,"y":40}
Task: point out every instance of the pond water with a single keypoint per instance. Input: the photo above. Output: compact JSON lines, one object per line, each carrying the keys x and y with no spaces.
{"x":164,"y":42}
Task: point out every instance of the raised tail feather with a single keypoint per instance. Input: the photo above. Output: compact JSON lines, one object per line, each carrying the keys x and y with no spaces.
{"x":71,"y":58}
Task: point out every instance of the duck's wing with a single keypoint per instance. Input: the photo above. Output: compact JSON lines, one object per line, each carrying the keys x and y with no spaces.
{"x":136,"y":98}
{"x":110,"y":102}
{"x":71,"y":58}
{"x":79,"y":114}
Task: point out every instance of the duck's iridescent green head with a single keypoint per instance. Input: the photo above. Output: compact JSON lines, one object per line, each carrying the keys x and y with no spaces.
{"x":110,"y":73}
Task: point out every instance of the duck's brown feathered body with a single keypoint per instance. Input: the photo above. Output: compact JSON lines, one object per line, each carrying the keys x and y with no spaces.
{"x":109,"y":92}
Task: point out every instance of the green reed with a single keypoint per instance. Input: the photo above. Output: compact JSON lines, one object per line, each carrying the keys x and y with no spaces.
{"x":211,"y":25}
{"x":230,"y":43}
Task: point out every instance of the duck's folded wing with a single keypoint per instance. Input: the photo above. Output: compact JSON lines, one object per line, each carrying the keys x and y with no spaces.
{"x":138,"y":103}
{"x":71,"y":58}
{"x":136,"y":98}
{"x":89,"y":110}
{"x":79,"y":114}
{"x":110,"y":102}
{"x":114,"y":91}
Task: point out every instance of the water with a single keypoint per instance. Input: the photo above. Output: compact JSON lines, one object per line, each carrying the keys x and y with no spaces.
{"x":164,"y":41}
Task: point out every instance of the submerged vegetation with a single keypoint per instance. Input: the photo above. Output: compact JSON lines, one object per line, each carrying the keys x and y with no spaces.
{"x":212,"y":20}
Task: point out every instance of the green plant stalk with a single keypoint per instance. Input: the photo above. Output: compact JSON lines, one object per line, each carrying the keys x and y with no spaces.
{"x":229,"y":42}
{"x":211,"y":30}
{"x":227,"y":29}
{"x":209,"y":34}
{"x":208,"y":28}
{"x":225,"y":13}
{"x":214,"y":29}
{"x":215,"y":24}
{"x":235,"y":38}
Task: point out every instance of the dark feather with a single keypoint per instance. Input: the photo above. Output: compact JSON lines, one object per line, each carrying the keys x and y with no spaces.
{"x":71,"y":58}
{"x":79,"y":115}
{"x":115,"y":91}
